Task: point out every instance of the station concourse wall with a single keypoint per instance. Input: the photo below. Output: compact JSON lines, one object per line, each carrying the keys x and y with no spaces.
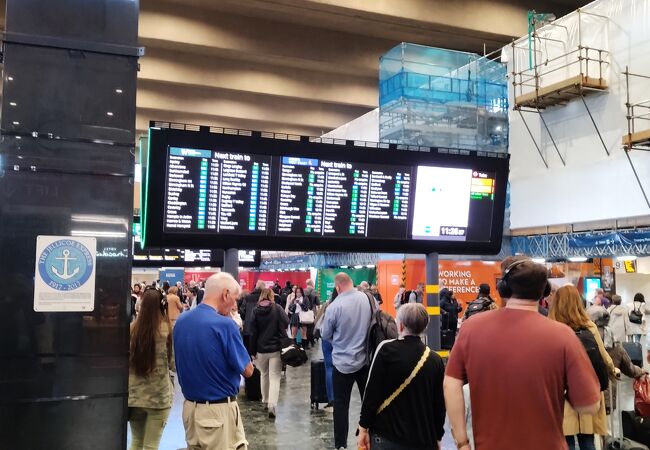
{"x":592,"y":186}
{"x":463,"y":277}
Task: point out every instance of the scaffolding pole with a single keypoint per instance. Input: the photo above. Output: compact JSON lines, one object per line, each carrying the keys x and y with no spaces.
{"x":551,"y":136}
{"x":533,"y":138}
{"x":638,"y":180}
{"x":582,"y":97}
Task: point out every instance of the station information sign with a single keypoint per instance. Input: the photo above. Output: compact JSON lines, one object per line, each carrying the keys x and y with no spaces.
{"x":234,"y":191}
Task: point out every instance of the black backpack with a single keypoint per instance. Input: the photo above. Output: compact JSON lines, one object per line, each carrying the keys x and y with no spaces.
{"x":406,"y":295}
{"x":478,"y":306}
{"x":591,"y":346}
{"x":636,"y":316}
{"x":382,"y":326}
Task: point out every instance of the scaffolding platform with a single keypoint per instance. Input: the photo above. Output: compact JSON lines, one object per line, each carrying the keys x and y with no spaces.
{"x":560,"y":92}
{"x":640,"y":138}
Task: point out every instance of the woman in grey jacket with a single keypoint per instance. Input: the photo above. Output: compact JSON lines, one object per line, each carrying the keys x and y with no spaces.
{"x":619,"y":322}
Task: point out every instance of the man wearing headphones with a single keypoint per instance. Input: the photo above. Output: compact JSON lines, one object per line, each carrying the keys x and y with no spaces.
{"x":519,"y":365}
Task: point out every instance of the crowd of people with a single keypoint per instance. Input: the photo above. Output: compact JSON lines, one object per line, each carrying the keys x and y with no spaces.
{"x":532,"y":384}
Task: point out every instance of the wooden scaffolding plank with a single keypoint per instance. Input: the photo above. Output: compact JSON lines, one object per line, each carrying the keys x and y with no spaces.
{"x":636,"y":138}
{"x":559,"y":92}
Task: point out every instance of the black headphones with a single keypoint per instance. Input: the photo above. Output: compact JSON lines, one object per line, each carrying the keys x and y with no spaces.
{"x":502,"y":287}
{"x":505,"y":291}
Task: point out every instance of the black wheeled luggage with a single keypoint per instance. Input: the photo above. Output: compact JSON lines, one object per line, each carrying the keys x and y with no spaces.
{"x":318,"y":383}
{"x":635,"y":352}
{"x":636,"y":427}
{"x":447,"y":338}
{"x":619,"y":443}
{"x":253,"y":386}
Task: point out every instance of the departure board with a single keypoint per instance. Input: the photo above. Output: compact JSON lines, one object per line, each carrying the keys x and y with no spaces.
{"x":217,"y":191}
{"x":452,"y":204}
{"x":222,"y":188}
{"x":343,"y":199}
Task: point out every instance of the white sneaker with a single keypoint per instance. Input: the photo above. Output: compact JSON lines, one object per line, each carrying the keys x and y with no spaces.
{"x":329,"y":408}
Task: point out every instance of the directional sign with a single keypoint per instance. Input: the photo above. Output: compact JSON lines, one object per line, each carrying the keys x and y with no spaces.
{"x":64,"y":276}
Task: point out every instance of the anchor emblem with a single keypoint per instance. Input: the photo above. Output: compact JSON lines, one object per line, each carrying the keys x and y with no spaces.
{"x":65,"y":258}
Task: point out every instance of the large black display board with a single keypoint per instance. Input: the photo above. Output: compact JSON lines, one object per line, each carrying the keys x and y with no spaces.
{"x":251,"y":191}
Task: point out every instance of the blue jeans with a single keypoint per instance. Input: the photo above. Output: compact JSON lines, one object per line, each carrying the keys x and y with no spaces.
{"x":327,"y":357}
{"x":585,"y":442}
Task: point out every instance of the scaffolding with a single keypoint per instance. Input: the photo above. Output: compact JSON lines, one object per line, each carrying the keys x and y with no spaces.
{"x":442,"y":98}
{"x":556,"y":79}
{"x":636,"y":139}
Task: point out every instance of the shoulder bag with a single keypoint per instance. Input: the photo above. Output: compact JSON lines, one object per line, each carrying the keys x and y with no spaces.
{"x":406,"y":382}
{"x":636,"y":316}
{"x":306,"y":316}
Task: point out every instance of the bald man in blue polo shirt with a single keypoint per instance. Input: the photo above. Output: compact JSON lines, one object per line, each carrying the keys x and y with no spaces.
{"x":210,"y":357}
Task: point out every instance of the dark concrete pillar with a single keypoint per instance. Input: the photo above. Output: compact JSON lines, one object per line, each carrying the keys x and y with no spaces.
{"x":66,"y":169}
{"x":231,"y":262}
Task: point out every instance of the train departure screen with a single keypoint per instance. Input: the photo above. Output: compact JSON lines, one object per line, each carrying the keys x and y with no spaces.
{"x":222,"y":192}
{"x":343,"y":199}
{"x":218,"y":190}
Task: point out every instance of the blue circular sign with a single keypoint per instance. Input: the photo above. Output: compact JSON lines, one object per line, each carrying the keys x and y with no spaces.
{"x":65,"y":265}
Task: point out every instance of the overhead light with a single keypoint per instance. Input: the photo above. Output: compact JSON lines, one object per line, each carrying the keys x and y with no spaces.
{"x":240,"y":268}
{"x":626,"y":258}
{"x":15,"y":122}
{"x":208,"y":267}
{"x":358,"y":266}
{"x":118,"y":91}
{"x":91,"y":233}
{"x":302,"y":268}
{"x":98,"y":218}
{"x":272,"y":270}
{"x":344,"y":267}
{"x":370,"y":266}
{"x":539,"y":260}
{"x":108,"y":113}
{"x":578,"y":259}
{"x":18,"y":137}
{"x":13,"y":103}
{"x":10,"y":78}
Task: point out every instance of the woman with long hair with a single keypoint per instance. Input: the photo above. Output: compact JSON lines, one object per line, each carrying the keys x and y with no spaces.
{"x":299,"y":303}
{"x":150,"y":360}
{"x":268,"y":325}
{"x":567,"y":307}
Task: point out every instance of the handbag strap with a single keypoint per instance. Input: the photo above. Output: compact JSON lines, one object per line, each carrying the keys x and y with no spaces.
{"x":406,"y":382}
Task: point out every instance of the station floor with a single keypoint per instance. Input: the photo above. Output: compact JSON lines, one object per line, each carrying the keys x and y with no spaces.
{"x":296,"y":425}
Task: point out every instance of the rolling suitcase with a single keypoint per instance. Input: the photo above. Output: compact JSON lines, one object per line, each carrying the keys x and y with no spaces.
{"x":636,"y":427}
{"x":618,"y":443}
{"x":447,"y":338}
{"x":253,"y":386}
{"x":318,"y":386}
{"x":635,"y":353}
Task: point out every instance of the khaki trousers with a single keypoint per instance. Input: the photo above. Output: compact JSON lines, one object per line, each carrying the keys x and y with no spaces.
{"x":213,"y":426}
{"x":270,"y":366}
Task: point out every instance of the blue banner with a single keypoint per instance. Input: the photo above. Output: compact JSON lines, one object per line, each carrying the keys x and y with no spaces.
{"x":639,"y":237}
{"x":172,"y":275}
{"x":618,"y":238}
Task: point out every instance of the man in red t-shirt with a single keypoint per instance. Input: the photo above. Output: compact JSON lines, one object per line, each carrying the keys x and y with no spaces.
{"x":520,"y":367}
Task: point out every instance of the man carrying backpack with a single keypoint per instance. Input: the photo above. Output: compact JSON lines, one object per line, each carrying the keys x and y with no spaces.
{"x":343,"y":325}
{"x":482,"y":303}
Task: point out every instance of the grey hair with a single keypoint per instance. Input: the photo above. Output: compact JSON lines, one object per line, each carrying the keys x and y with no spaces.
{"x":364,"y":285}
{"x":414,"y":317}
